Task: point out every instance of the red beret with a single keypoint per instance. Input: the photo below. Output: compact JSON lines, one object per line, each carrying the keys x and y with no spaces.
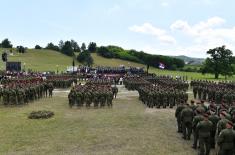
{"x":198,"y":111}
{"x":206,"y":115}
{"x":223,"y":110}
{"x":212,"y":109}
{"x":212,"y":106}
{"x":223,"y":113}
{"x":230,"y":123}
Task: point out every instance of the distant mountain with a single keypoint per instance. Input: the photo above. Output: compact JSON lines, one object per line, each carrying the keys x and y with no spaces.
{"x":190,"y":60}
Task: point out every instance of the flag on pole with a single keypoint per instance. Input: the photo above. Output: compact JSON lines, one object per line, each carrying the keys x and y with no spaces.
{"x":161,"y":65}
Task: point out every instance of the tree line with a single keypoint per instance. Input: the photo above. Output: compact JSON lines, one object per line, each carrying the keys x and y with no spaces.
{"x":71,"y":47}
{"x":7,"y":44}
{"x":220,"y":61}
{"x":140,"y":57}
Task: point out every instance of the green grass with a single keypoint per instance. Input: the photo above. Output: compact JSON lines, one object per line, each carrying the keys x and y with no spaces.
{"x":128,"y":128}
{"x":42,"y":60}
{"x":47,"y":60}
{"x":192,"y":66}
{"x":190,"y":75}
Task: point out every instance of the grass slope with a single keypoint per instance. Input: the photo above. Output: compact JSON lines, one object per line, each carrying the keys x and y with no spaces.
{"x":47,"y":60}
{"x":42,"y":60}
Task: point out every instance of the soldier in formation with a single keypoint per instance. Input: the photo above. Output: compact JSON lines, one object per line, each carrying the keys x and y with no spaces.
{"x":99,"y":92}
{"x":166,"y":81}
{"x":186,"y":120}
{"x":226,"y":140}
{"x":114,"y":91}
{"x":62,"y":81}
{"x":211,"y":91}
{"x":50,"y":88}
{"x":208,"y":122}
{"x":160,"y":93}
{"x":23,"y":91}
{"x":134,"y":82}
{"x":159,"y":96}
{"x":118,"y":70}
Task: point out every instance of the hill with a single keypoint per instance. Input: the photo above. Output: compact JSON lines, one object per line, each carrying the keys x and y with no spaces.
{"x":41,"y":60}
{"x":47,"y":60}
{"x":190,"y":60}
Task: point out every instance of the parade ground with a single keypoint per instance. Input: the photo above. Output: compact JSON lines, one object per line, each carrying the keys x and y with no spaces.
{"x":127,"y":128}
{"x":135,"y":77}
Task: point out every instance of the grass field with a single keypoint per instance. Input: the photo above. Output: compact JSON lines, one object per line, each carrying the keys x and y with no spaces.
{"x":42,"y":60}
{"x":47,"y":60}
{"x":126,"y":129}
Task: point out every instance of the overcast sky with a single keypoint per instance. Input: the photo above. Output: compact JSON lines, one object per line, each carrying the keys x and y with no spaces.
{"x":167,"y":27}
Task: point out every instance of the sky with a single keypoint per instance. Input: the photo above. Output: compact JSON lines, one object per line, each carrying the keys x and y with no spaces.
{"x":166,"y":27}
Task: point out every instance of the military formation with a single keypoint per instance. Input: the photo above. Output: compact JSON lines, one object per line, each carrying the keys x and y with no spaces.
{"x":62,"y":81}
{"x":159,"y":96}
{"x":133,"y":82}
{"x":211,"y":126}
{"x":111,"y":70}
{"x":167,"y":81}
{"x":211,"y":91}
{"x":98,"y":93}
{"x":163,"y":93}
{"x":19,"y":92}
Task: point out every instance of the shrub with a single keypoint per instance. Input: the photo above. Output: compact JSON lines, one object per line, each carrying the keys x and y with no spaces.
{"x":41,"y":114}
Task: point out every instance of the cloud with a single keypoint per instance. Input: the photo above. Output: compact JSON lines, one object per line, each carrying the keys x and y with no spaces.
{"x":209,"y":34}
{"x":149,"y":29}
{"x":198,"y":29}
{"x":189,"y":39}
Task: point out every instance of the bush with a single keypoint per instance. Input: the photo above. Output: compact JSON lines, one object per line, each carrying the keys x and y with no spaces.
{"x":51,"y":46}
{"x":41,"y":114}
{"x":38,"y":47}
{"x":85,"y":58}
